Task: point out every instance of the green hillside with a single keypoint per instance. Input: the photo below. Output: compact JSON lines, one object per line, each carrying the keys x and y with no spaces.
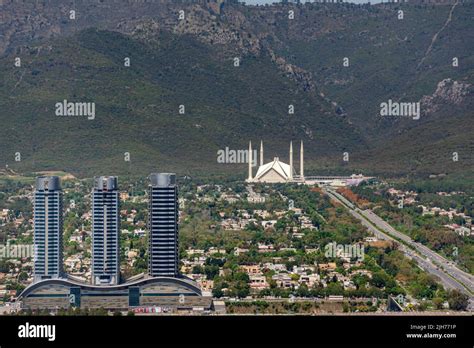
{"x":137,"y":107}
{"x":175,"y":64}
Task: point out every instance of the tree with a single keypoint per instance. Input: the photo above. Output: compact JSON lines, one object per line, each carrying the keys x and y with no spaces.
{"x":198,"y":269}
{"x":211,"y":271}
{"x":457,"y":300}
{"x":4,"y":266}
{"x":23,"y":276}
{"x":217,"y":292}
{"x":241,"y":289}
{"x":438,"y":302}
{"x":379,"y":279}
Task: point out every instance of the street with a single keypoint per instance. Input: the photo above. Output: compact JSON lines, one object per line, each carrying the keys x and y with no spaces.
{"x":450,"y":276}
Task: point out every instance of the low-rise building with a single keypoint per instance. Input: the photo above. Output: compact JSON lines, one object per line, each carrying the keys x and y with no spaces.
{"x":258,"y":282}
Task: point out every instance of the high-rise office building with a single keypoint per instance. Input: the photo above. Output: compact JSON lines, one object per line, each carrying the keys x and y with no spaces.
{"x":163,"y":225}
{"x":48,"y":228}
{"x":105,"y":231}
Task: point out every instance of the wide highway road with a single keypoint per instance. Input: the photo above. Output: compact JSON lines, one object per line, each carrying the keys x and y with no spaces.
{"x":450,"y":276}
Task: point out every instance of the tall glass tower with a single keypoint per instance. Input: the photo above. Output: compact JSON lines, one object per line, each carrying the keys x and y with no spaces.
{"x":163,"y":225}
{"x":105,"y":231}
{"x":48,"y":228}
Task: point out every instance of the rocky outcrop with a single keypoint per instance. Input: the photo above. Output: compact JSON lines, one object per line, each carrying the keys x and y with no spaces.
{"x":293,"y":72}
{"x":449,"y":92}
{"x":22,"y":22}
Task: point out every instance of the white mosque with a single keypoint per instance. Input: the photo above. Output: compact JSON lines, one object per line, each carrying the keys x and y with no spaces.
{"x":276,"y":171}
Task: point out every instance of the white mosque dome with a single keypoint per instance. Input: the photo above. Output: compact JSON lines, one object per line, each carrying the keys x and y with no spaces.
{"x":278,"y":167}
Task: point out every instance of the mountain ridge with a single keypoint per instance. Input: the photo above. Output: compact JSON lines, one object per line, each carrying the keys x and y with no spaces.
{"x":336,"y":108}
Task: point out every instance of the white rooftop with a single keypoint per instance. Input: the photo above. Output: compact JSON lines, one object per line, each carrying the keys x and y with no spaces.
{"x":281,"y":168}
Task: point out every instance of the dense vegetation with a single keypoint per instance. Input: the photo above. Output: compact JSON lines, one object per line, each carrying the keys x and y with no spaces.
{"x":137,"y":106}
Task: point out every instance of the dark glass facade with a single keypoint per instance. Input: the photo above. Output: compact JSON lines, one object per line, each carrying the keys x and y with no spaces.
{"x":48,"y":228}
{"x":163,"y":225}
{"x":105,"y":231}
